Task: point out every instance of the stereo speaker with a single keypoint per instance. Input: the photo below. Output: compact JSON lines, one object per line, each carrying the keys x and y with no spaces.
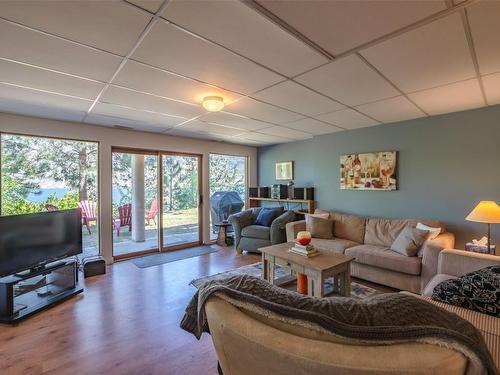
{"x":93,"y":266}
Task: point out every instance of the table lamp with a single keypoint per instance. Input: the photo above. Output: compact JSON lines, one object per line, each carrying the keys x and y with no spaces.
{"x":485,"y":212}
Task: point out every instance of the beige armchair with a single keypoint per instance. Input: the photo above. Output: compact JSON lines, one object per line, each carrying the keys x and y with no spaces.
{"x":455,"y":263}
{"x":251,"y":344}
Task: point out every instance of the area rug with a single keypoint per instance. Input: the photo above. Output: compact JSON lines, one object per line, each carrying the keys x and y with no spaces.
{"x":282,"y":275}
{"x":172,"y":256}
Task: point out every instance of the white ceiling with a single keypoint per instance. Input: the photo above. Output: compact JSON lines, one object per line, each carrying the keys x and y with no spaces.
{"x":287,"y":70}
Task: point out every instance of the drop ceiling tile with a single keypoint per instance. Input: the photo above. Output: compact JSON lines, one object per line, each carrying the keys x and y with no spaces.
{"x":140,"y":77}
{"x":450,"y":98}
{"x":247,"y":142}
{"x":261,"y":111}
{"x":339,"y":26}
{"x":110,"y":25}
{"x":125,"y":123}
{"x":280,"y":131}
{"x":241,"y":29}
{"x":137,"y":100}
{"x":41,"y":104}
{"x":432,"y":55}
{"x":150,"y":5}
{"x":234,"y":121}
{"x":170,"y":48}
{"x":209,"y":128}
{"x":297,"y":98}
{"x":491,"y":85}
{"x":348,"y":119}
{"x":53,"y":53}
{"x":350,"y":81}
{"x":485,"y":28}
{"x":24,"y":75}
{"x":179,"y":132}
{"x":137,"y":116}
{"x":392,"y":110}
{"x":313,"y":126}
{"x":269,"y":139}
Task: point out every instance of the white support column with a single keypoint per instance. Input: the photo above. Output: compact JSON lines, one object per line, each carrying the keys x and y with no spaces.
{"x":138,"y":222}
{"x":206,"y":198}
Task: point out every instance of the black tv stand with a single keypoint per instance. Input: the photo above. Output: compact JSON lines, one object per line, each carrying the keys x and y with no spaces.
{"x":35,"y":270}
{"x":26,"y":293}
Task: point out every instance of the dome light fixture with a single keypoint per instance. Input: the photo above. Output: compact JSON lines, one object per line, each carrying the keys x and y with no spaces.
{"x":213,"y":103}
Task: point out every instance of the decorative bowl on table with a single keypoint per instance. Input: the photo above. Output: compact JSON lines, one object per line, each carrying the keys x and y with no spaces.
{"x":303,"y":238}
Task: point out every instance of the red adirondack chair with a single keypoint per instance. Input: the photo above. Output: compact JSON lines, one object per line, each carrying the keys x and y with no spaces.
{"x":153,"y":211}
{"x":89,"y":213}
{"x":125,"y":220}
{"x":51,"y":207}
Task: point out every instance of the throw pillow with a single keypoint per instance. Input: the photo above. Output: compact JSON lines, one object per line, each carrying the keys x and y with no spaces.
{"x":433,"y":232}
{"x":319,"y":226}
{"x":266,"y":216}
{"x":409,"y":241}
{"x":478,"y":290}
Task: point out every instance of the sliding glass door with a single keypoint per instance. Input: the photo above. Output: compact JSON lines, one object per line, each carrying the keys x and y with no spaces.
{"x":156,"y":203}
{"x":181,"y":213}
{"x":135,"y":203}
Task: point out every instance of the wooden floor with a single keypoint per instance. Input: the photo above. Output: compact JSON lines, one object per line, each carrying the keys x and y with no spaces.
{"x":126,"y":322}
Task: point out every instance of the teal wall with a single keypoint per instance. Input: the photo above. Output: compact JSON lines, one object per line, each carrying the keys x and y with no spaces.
{"x":446,"y":163}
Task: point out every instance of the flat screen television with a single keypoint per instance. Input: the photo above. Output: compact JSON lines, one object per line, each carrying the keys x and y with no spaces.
{"x":33,"y":240}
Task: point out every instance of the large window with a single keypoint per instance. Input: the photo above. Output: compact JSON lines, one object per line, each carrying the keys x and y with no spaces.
{"x":227,"y":174}
{"x":42,"y":174}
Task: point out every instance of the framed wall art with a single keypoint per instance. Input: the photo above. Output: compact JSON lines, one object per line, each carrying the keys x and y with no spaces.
{"x":284,"y":170}
{"x":369,"y":171}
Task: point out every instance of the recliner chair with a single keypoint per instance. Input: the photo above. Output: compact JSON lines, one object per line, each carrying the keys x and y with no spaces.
{"x":250,"y":237}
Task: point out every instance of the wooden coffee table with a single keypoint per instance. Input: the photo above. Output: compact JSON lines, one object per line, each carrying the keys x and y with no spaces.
{"x":317,"y":269}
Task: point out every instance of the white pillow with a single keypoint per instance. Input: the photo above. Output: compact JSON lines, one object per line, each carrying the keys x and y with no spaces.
{"x":433,"y":232}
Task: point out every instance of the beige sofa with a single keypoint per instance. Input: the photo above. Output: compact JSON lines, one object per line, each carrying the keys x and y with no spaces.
{"x":249,"y":344}
{"x":368,"y":240}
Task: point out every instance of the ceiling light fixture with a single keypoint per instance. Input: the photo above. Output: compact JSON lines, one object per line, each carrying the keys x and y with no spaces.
{"x":213,"y":103}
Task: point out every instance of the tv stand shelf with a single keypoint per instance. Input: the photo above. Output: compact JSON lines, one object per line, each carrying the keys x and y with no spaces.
{"x":22,"y":295}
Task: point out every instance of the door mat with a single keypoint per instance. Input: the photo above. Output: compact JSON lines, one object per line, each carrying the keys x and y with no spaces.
{"x":172,"y":256}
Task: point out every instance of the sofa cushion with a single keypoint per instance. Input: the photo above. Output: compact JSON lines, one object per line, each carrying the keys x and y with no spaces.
{"x":267,"y":215}
{"x":256,"y":231}
{"x":383,"y":257}
{"x":319,"y":226}
{"x":409,"y":240}
{"x":337,"y":245}
{"x":383,"y":232}
{"x":349,"y":227}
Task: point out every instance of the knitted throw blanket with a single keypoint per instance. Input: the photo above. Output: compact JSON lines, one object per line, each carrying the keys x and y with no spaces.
{"x":381,"y":319}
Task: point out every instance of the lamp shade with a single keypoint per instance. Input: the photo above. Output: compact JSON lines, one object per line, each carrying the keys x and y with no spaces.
{"x":485,"y":212}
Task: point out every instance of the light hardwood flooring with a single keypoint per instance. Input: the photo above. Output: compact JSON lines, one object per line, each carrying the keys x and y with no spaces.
{"x":126,"y":322}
